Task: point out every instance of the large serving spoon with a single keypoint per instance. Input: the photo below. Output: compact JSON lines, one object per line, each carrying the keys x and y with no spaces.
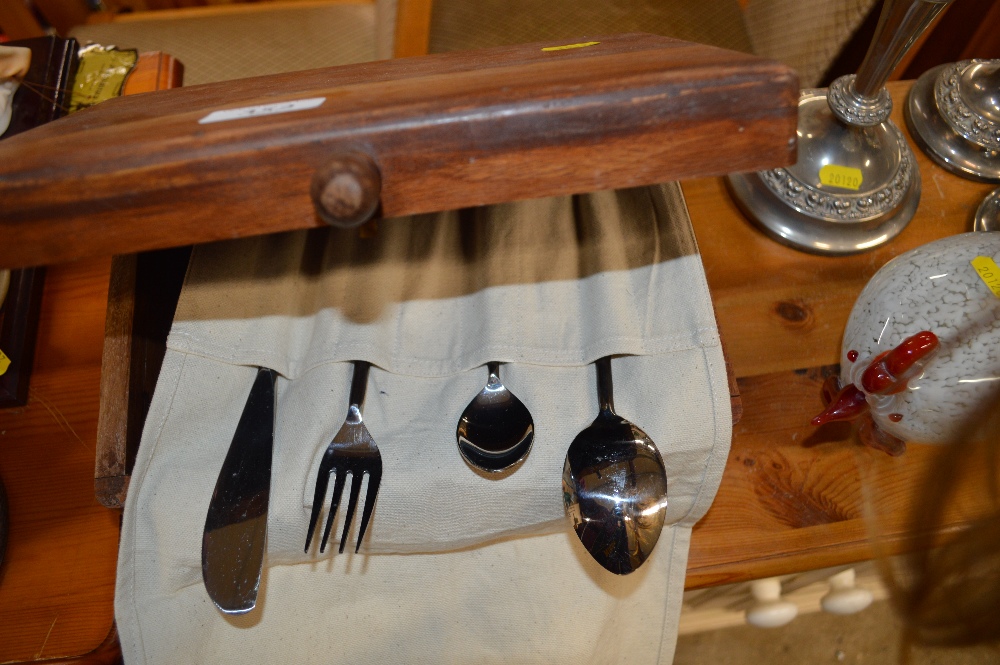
{"x":615,"y":486}
{"x":496,"y":430}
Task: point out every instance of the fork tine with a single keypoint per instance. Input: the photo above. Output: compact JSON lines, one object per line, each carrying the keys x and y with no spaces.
{"x":338,"y":489}
{"x":318,"y":499}
{"x":352,"y":504}
{"x":374,"y":478}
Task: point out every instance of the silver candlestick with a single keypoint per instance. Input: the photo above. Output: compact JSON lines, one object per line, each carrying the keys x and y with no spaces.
{"x":954,"y":116}
{"x":855,"y":184}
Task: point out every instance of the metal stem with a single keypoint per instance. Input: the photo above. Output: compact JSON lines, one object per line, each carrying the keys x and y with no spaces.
{"x":359,"y":382}
{"x":862,"y":100}
{"x":899,"y":25}
{"x":605,"y":387}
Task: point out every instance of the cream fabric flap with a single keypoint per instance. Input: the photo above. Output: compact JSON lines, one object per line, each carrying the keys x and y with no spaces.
{"x":430,"y":500}
{"x":559,"y":281}
{"x":531,"y":600}
{"x":456,"y":567}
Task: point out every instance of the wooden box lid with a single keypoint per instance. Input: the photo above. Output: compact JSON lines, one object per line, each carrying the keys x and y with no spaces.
{"x":445,"y":131}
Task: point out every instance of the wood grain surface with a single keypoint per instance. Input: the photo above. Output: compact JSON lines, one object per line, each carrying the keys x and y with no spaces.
{"x":794,"y":497}
{"x":57,"y":578}
{"x":446,"y":131}
{"x":58,"y":575}
{"x":154,"y":71}
{"x":135,"y":331}
{"x":142,"y":298}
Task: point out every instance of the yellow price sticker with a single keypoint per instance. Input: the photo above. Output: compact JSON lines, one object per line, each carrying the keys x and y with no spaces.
{"x":569,"y":46}
{"x":988,"y":271}
{"x":4,"y":363}
{"x":845,"y":177}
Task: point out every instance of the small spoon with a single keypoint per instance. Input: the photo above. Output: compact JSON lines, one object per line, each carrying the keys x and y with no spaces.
{"x":615,"y":486}
{"x":496,"y":430}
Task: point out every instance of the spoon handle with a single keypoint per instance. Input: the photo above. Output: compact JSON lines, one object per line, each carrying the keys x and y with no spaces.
{"x":359,"y":382}
{"x":605,"y":386}
{"x":493,"y":367}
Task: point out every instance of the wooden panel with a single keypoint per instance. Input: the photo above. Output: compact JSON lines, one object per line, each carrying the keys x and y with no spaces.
{"x":172,"y":9}
{"x":154,"y":71}
{"x":63,"y":15}
{"x":413,"y":27}
{"x":136,"y":329}
{"x":59,"y":570}
{"x":114,"y":427}
{"x":58,"y":576}
{"x":792,"y":496}
{"x":17,"y":21}
{"x":447,"y":131}
{"x":141,"y":302}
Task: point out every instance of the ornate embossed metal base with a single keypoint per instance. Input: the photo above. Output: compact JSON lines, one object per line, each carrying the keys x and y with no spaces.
{"x":852,"y":189}
{"x":953,"y":114}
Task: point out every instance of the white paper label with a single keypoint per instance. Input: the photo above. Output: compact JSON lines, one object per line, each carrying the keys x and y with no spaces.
{"x":263,"y":109}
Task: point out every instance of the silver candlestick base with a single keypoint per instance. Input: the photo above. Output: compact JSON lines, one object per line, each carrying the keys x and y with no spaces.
{"x":854,"y":186}
{"x":954,"y":116}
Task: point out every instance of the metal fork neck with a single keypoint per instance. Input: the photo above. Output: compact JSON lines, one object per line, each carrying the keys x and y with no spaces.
{"x":359,"y":382}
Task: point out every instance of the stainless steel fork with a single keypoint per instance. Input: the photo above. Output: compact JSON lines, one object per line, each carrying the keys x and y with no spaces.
{"x":352,"y":451}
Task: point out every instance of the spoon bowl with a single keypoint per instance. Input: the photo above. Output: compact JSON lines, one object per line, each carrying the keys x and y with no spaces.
{"x":496,"y":430}
{"x":615,"y":486}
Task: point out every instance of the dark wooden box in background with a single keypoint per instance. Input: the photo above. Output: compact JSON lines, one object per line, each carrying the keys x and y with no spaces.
{"x":41,"y":98}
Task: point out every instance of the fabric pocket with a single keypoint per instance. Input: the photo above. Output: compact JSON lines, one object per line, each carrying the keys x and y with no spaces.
{"x":555,"y":282}
{"x":544,"y":286}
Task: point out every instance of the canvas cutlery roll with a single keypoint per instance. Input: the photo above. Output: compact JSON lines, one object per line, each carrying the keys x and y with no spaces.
{"x":544,"y":287}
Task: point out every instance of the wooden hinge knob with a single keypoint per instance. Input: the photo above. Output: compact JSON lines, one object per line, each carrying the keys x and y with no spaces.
{"x":769,"y":609}
{"x":844,"y":597}
{"x":346,"y":190}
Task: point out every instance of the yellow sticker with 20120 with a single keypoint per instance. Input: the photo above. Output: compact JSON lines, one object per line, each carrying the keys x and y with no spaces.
{"x":845,"y":177}
{"x":988,"y":271}
{"x":4,"y":362}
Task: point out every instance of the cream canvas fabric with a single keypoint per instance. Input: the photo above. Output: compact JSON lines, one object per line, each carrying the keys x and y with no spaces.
{"x":457,"y":566}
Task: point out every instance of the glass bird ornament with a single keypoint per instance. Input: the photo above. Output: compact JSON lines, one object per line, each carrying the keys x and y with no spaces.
{"x":921,"y":351}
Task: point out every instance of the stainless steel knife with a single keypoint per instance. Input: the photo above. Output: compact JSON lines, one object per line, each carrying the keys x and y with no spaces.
{"x":233,"y":545}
